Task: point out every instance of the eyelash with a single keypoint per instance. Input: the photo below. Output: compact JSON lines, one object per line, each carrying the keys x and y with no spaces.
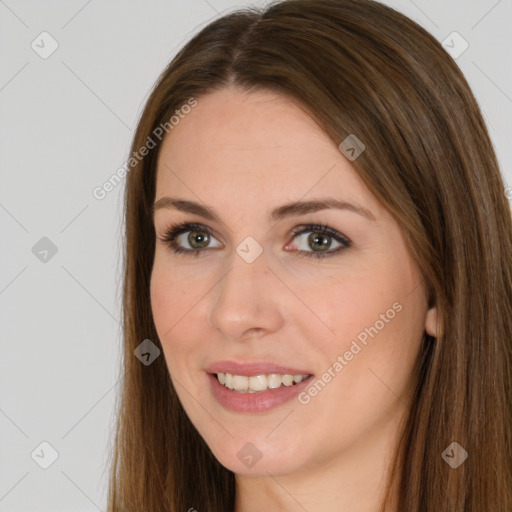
{"x":177,"y":229}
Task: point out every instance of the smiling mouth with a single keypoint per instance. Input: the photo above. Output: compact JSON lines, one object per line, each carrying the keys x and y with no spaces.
{"x":258,"y":383}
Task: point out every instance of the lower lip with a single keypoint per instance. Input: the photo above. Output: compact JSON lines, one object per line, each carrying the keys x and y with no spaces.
{"x":254,"y":402}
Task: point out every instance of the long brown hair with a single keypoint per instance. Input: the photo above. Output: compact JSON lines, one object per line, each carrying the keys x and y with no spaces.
{"x":359,"y":67}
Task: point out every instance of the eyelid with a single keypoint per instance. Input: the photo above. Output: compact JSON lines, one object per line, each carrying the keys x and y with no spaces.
{"x":182,"y":227}
{"x":321,"y":228}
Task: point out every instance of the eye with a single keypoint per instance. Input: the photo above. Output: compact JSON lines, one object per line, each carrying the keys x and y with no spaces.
{"x":198,"y":237}
{"x":320,"y":240}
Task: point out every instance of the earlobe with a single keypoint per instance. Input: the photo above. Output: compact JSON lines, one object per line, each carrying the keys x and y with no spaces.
{"x":431,"y":322}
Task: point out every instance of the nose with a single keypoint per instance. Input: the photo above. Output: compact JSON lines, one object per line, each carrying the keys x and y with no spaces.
{"x":248,"y":299}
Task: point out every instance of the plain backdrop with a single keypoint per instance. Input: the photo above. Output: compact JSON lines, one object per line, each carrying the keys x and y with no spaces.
{"x":66,"y":124}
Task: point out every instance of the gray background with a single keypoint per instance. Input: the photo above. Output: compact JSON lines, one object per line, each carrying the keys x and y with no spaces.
{"x":66,"y":125}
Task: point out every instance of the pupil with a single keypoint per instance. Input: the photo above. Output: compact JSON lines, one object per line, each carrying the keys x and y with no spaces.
{"x":196,"y":236}
{"x":318,"y":239}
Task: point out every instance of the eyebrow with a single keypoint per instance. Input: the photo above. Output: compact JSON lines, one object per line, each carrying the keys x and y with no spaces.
{"x":287,"y":210}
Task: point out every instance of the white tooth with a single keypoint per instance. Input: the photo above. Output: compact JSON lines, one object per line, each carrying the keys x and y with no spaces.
{"x":274,"y":381}
{"x":258,"y":383}
{"x":287,"y":379}
{"x":240,"y":382}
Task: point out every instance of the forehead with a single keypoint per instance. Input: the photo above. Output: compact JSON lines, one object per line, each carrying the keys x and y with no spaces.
{"x":259,"y":145}
{"x":235,"y":124}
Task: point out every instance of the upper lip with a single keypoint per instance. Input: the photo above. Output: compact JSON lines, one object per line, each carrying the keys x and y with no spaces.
{"x":254,"y":368}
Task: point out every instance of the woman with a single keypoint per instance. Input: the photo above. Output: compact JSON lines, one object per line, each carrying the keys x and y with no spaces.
{"x":318,"y":243}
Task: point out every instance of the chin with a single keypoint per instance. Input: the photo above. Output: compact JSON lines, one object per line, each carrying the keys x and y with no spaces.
{"x":258,"y":456}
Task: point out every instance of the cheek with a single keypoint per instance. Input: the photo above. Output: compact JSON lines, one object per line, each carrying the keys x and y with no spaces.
{"x":172,"y":305}
{"x":375,"y":315}
{"x":352,"y":303}
{"x":382,"y":349}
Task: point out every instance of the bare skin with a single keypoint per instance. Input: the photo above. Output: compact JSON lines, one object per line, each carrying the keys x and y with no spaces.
{"x":244,"y":155}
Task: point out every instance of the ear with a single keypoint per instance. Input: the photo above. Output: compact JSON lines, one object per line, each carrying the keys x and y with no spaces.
{"x":431,"y":322}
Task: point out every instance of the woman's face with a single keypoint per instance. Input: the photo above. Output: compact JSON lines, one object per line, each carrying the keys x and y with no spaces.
{"x":253,"y":297}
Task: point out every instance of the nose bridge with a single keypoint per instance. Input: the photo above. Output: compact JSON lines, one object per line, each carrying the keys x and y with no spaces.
{"x":243,"y":298}
{"x":247,"y":263}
